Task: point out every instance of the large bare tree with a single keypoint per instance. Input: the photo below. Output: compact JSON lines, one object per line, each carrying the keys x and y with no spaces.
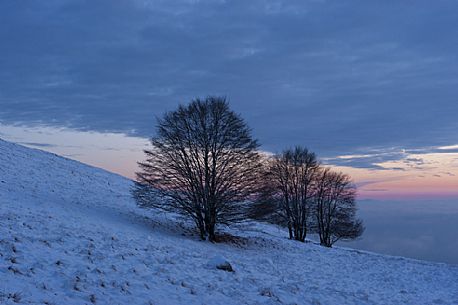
{"x":203,"y":163}
{"x":291,"y":181}
{"x":335,"y":208}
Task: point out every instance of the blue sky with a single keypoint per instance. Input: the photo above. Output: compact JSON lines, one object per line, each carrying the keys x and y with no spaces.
{"x":374,"y":80}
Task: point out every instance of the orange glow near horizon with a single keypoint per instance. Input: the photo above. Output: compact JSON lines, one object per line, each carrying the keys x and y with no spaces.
{"x":435,"y":177}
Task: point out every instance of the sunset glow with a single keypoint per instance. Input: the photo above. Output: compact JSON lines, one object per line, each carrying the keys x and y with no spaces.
{"x":413,"y":176}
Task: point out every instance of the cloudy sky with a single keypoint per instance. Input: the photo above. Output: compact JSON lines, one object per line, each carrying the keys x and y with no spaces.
{"x":371,"y":86}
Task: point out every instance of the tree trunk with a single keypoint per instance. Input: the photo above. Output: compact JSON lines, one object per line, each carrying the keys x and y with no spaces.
{"x":202,"y":232}
{"x":211,"y":232}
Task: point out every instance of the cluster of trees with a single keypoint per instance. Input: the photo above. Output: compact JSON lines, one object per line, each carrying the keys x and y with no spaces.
{"x":306,"y":197}
{"x":205,"y":164}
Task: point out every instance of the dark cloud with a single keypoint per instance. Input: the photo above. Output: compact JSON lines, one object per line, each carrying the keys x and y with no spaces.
{"x":336,"y":76}
{"x":417,"y":161}
{"x":376,"y":190}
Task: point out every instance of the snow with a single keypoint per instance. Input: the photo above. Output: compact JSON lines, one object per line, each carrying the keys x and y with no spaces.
{"x":72,"y":234}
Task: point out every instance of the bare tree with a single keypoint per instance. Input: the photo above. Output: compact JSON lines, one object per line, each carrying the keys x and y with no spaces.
{"x":204,"y":164}
{"x":335,"y":208}
{"x":291,"y":182}
{"x":265,"y":205}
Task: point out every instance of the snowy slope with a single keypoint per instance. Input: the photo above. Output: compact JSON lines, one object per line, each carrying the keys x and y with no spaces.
{"x":71,"y":234}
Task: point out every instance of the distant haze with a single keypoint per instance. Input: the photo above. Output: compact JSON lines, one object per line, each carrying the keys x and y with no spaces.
{"x":421,"y":229}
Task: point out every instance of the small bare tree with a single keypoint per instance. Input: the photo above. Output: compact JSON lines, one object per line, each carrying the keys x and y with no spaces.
{"x":204,"y":164}
{"x":291,"y":184}
{"x":265,"y":205}
{"x":335,"y":208}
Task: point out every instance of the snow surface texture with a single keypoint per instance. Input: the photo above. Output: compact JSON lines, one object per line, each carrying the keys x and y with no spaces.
{"x":71,"y":234}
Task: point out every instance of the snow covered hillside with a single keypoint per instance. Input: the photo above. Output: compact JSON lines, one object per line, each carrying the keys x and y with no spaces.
{"x":71,"y":234}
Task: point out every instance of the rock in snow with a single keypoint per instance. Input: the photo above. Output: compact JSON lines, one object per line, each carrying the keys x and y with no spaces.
{"x":72,"y":234}
{"x":220,"y":263}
